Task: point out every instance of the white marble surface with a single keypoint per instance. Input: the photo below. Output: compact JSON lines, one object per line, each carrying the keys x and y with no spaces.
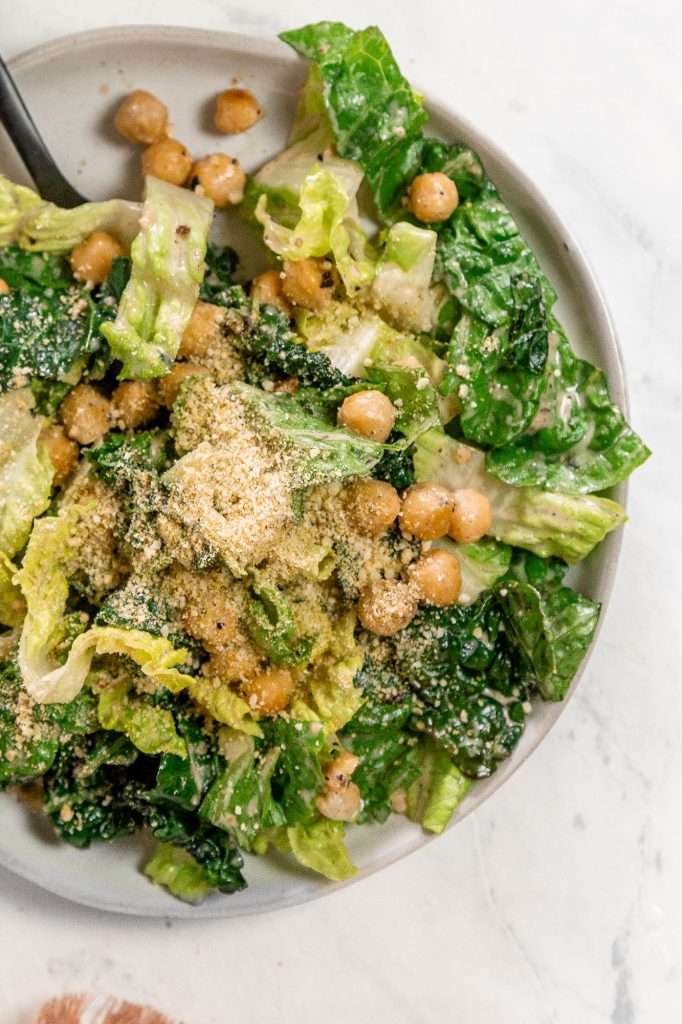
{"x":561,"y":900}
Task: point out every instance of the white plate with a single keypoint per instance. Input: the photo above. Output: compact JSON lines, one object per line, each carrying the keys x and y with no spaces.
{"x":72,"y":87}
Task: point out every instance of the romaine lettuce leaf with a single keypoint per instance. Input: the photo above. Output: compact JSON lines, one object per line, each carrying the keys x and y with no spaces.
{"x":412,"y":394}
{"x":43,"y":227}
{"x":434,"y":796}
{"x":320,"y":847}
{"x":179,"y":872}
{"x":167,"y":269}
{"x":12,"y":604}
{"x":327,"y":225}
{"x":562,"y":525}
{"x":25,"y":470}
{"x":240,"y":799}
{"x":298,"y":778}
{"x":335,"y":697}
{"x":553,"y":628}
{"x":376,"y":117}
{"x":149,"y":728}
{"x":224,"y":705}
{"x":579,"y":441}
{"x":271,"y":626}
{"x":401,"y":289}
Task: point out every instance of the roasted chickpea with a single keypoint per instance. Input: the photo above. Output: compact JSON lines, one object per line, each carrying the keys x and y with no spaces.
{"x":134,"y":403}
{"x":338,"y":772}
{"x":471,"y":516}
{"x":91,"y":260}
{"x":369,"y":413}
{"x":62,"y":450}
{"x":373,"y":506}
{"x":266,"y":290}
{"x":86,"y":414}
{"x":437,"y":576}
{"x":387,"y":606}
{"x":221,"y":178}
{"x":236,"y":110}
{"x":142,"y":117}
{"x":168,"y":386}
{"x":269,"y":692}
{"x":433,"y":197}
{"x":211,"y":619}
{"x":340,"y":804}
{"x":308,"y":283}
{"x":4,"y":287}
{"x":233,"y":664}
{"x":426,"y":511}
{"x":169,"y":160}
{"x":202,"y":332}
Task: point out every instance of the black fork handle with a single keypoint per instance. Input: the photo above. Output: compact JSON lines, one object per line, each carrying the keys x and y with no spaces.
{"x":22,"y":131}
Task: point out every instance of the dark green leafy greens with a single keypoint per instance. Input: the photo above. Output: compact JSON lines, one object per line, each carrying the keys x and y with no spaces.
{"x":271,"y":626}
{"x":375,"y":115}
{"x":272,"y":350}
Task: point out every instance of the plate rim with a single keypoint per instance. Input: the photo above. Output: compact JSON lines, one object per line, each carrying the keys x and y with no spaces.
{"x":587,"y":285}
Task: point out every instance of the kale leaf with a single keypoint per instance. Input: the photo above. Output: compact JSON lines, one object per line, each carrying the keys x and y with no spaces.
{"x":217,"y":284}
{"x":272,"y":349}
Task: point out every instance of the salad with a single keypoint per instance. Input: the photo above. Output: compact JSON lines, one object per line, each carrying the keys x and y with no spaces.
{"x":283,"y":557}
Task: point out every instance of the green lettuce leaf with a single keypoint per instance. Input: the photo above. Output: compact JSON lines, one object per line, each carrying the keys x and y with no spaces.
{"x":178,"y":871}
{"x":548,"y":524}
{"x":43,"y":227}
{"x":553,"y":628}
{"x":335,"y":697}
{"x":12,"y":605}
{"x":375,"y":116}
{"x":240,"y":799}
{"x":224,"y":705}
{"x":25,"y":470}
{"x":412,"y":394}
{"x":320,"y":847}
{"x":167,"y":270}
{"x":434,"y":796}
{"x":271,"y":626}
{"x":401,"y":289}
{"x":579,"y":441}
{"x":328,"y":225}
{"x":298,"y":778}
{"x":149,"y":728}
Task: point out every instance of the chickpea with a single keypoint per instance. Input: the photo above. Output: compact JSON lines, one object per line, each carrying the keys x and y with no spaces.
{"x":85,"y":414}
{"x":438,"y":577}
{"x":288,"y":386}
{"x":340,"y":804}
{"x":433,"y":197}
{"x":308,"y":283}
{"x":266,"y":290}
{"x":211,"y":619}
{"x":4,"y":287}
{"x":221,"y":178}
{"x":340,"y":800}
{"x":386,"y":606}
{"x":369,"y":413}
{"x":236,"y":110}
{"x":471,"y":516}
{"x":202,"y":332}
{"x":373,"y":506}
{"x":62,"y":450}
{"x":142,"y":117}
{"x":168,"y":386}
{"x":169,"y":160}
{"x":233,"y":664}
{"x":91,"y":260}
{"x":426,"y":511}
{"x":134,"y":403}
{"x":269,"y":691}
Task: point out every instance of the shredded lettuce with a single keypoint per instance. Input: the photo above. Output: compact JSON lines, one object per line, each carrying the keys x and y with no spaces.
{"x":43,"y":227}
{"x":321,"y":848}
{"x":163,"y":288}
{"x":25,"y":470}
{"x":563,"y":525}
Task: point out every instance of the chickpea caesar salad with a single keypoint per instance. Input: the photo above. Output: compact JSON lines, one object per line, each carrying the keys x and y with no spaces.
{"x":282,"y":557}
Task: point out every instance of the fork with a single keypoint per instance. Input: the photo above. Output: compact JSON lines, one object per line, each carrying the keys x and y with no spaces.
{"x":29,"y":143}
